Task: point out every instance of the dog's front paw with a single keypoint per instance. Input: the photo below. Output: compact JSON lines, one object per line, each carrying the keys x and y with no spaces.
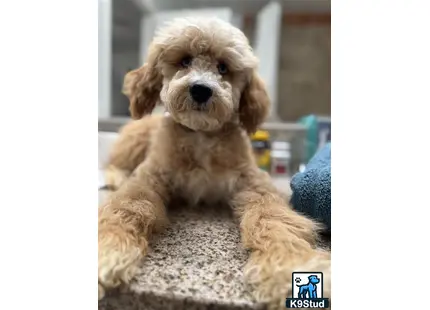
{"x":119,"y":258}
{"x":270,"y":274}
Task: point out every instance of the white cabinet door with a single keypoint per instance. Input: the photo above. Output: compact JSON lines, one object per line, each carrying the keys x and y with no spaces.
{"x":105,"y":58}
{"x":267,"y":45}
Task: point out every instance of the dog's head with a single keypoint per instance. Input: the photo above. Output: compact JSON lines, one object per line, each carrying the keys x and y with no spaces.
{"x":314,"y":279}
{"x":204,"y":72}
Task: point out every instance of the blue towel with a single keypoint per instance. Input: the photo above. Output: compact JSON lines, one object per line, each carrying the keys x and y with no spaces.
{"x":312,"y":188}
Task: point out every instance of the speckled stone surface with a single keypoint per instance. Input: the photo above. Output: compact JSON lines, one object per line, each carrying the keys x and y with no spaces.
{"x":195,"y":264}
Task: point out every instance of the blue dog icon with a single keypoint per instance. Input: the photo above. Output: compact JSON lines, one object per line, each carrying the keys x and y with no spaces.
{"x":309,"y":290}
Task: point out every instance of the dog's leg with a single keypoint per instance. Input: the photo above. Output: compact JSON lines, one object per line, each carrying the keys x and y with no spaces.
{"x":115,"y":177}
{"x":126,"y":221}
{"x":129,"y":150}
{"x":281,"y":241}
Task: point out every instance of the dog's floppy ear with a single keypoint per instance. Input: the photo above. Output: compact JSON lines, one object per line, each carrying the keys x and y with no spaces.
{"x":254,"y":104}
{"x":142,"y":86}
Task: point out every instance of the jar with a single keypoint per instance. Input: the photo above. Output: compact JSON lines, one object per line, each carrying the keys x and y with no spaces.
{"x":280,"y":159}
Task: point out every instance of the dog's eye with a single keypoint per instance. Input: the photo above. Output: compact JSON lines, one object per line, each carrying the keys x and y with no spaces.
{"x":222,"y":68}
{"x":186,"y":61}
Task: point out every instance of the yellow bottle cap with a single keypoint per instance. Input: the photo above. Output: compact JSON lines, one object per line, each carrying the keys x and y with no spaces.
{"x":261,"y":135}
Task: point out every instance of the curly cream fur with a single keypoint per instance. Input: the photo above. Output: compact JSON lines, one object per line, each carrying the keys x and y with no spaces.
{"x":201,"y":156}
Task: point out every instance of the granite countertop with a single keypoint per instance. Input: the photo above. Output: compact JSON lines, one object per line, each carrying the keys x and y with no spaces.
{"x":196,"y":263}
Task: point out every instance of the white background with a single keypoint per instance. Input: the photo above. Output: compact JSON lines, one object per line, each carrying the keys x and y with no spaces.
{"x":48,"y":153}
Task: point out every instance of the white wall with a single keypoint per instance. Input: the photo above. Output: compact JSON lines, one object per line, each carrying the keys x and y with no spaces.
{"x":266,"y":47}
{"x":104,"y":58}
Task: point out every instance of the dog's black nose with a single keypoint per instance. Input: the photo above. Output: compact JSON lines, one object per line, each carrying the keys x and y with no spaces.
{"x":200,"y":93}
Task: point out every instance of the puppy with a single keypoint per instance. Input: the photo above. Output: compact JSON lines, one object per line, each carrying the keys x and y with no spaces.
{"x":204,"y":73}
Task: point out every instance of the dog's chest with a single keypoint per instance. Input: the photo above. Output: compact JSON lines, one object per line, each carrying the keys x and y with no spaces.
{"x":201,"y":186}
{"x":205,"y":173}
